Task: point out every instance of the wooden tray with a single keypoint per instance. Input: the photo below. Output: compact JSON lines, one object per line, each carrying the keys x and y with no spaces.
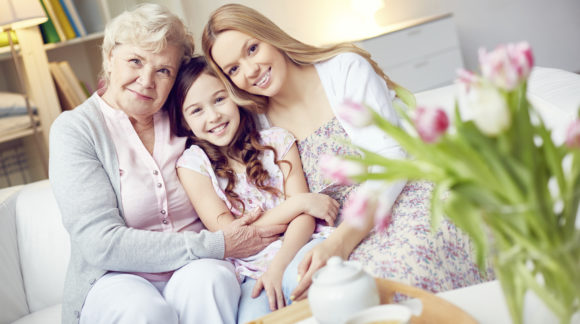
{"x":435,"y":309}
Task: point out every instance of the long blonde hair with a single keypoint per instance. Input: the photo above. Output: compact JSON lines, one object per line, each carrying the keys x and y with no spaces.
{"x":250,"y":22}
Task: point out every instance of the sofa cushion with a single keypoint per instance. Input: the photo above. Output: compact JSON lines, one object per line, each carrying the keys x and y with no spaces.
{"x":12,"y":297}
{"x":556,"y":96}
{"x":44,"y":316}
{"x":43,"y":245}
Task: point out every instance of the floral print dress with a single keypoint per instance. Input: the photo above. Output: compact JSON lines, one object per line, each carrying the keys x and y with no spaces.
{"x":407,"y":251}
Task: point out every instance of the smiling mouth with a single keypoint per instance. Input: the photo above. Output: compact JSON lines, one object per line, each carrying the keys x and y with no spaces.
{"x":139,"y":95}
{"x":264,"y":80}
{"x":218,"y":128}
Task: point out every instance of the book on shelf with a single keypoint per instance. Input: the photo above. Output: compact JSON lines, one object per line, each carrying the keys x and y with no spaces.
{"x":4,"y":38}
{"x":47,"y":29}
{"x":73,"y":16}
{"x":74,"y":81}
{"x":52,"y":17}
{"x":62,"y":19}
{"x":66,"y":94}
{"x":94,"y":16}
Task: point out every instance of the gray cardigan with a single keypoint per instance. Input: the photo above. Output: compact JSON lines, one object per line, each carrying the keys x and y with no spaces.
{"x":84,"y":175}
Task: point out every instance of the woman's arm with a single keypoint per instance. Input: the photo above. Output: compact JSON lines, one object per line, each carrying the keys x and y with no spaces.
{"x":341,"y":242}
{"x":82,"y":176}
{"x":355,"y":79}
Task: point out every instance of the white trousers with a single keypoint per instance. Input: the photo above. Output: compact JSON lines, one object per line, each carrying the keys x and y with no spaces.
{"x":204,"y":291}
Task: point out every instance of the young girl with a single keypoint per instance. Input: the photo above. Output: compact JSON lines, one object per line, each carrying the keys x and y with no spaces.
{"x":240,"y":169}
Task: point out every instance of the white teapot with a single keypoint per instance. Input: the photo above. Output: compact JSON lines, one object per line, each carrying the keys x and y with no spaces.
{"x":340,"y":289}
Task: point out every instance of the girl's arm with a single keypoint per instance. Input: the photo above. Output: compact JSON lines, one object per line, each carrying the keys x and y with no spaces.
{"x":299,"y":200}
{"x":297,"y":234}
{"x":215,"y":215}
{"x":210,"y":208}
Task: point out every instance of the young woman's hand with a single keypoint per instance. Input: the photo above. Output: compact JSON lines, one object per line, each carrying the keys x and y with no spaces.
{"x":313,"y":260}
{"x":319,"y":206}
{"x":271,"y":281}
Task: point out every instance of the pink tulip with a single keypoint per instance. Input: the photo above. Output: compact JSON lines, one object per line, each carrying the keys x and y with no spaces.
{"x":430,"y":123}
{"x":339,"y":170}
{"x":358,"y":206}
{"x":467,"y":78}
{"x":354,"y":113}
{"x":573,"y":134}
{"x":508,"y":65}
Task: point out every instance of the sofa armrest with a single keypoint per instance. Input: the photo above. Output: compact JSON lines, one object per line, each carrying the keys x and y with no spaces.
{"x":12,"y":295}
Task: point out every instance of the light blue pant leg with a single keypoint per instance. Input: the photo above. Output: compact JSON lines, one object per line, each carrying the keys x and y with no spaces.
{"x":290,"y":279}
{"x":252,"y":308}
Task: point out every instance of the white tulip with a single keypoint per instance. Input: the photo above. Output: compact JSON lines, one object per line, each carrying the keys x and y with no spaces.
{"x":488,"y":109}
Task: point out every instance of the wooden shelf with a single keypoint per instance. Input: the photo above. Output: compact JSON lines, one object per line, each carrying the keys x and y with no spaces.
{"x":16,"y":134}
{"x":5,"y":50}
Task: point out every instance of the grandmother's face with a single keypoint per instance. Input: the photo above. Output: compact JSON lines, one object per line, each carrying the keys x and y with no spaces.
{"x":140,"y":80}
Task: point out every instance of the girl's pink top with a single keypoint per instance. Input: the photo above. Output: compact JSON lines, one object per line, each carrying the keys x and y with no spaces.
{"x":194,"y":158}
{"x":152,"y":196}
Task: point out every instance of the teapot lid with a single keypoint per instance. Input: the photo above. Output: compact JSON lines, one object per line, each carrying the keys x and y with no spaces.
{"x":336,"y":271}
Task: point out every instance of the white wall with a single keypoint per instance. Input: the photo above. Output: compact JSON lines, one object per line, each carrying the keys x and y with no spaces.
{"x":552,"y":27}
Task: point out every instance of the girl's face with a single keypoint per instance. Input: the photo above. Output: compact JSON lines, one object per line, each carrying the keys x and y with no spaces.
{"x":209,"y":111}
{"x":252,"y":65}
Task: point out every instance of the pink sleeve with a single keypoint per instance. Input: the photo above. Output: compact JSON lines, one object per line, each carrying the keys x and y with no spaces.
{"x":195,"y":159}
{"x":279,"y":138}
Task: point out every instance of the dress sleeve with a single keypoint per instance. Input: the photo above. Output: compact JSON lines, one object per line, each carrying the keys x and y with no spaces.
{"x":279,"y":138}
{"x":195,"y":159}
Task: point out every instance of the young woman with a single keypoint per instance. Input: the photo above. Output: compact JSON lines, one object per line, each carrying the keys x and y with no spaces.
{"x":298,"y":87}
{"x":240,"y":168}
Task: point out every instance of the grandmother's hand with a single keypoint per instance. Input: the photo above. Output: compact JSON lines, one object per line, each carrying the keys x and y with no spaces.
{"x":242,"y":239}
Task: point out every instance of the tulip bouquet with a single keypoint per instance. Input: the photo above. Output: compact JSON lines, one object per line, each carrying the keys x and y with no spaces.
{"x":498,"y":176}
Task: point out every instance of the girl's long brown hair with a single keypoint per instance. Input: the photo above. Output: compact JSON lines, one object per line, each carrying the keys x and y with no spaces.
{"x":245,"y":145}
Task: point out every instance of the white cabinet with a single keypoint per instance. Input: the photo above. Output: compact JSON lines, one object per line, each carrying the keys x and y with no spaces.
{"x":420,"y":54}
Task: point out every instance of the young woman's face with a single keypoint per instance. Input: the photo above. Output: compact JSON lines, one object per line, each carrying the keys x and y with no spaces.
{"x":210,"y":113}
{"x":252,"y":65}
{"x":140,"y":80}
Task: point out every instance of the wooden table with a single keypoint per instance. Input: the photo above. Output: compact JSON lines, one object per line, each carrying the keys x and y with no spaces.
{"x":435,"y":309}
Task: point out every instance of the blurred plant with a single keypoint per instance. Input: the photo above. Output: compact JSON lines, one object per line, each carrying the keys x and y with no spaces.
{"x":498,"y":175}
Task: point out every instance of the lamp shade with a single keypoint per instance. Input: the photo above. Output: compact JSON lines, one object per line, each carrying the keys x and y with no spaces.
{"x":16,"y":14}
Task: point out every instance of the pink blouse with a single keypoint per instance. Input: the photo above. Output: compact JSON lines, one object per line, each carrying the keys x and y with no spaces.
{"x":152,"y":196}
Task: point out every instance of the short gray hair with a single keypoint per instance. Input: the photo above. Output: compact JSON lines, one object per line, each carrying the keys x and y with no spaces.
{"x":149,"y":26}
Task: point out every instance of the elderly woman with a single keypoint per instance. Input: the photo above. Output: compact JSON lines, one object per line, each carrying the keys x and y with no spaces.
{"x":139,"y":253}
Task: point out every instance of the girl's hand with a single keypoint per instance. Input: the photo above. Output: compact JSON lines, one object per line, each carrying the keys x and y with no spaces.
{"x":319,"y":206}
{"x":313,"y":260}
{"x":271,"y":281}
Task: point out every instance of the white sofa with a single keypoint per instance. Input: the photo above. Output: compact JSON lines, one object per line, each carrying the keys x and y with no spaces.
{"x":34,"y":247}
